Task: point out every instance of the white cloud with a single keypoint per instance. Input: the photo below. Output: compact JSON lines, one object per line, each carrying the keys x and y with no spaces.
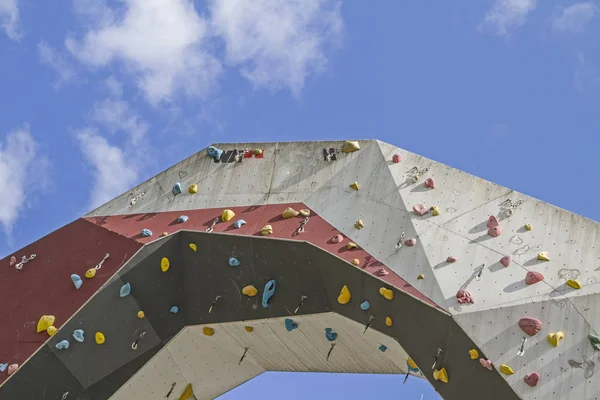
{"x":9,"y":18}
{"x":162,"y":42}
{"x":117,"y":115}
{"x":506,"y":15}
{"x":49,"y":57}
{"x":277,"y":43}
{"x":574,"y":18}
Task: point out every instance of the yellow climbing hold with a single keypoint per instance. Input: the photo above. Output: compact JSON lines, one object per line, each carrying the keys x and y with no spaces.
{"x":574,"y":283}
{"x":208,"y":331}
{"x":506,"y":370}
{"x":421,"y":276}
{"x":90,"y":273}
{"x":344,"y":297}
{"x":412,"y":364}
{"x":193,"y":246}
{"x":474,"y":354}
{"x":543,"y":256}
{"x":555,"y":337}
{"x":359,"y":224}
{"x":355,"y":186}
{"x":304,"y":212}
{"x":250,"y":291}
{"x":435,"y":211}
{"x":45,"y":322}
{"x":356,"y":261}
{"x":193,"y":189}
{"x":289,"y":213}
{"x":187,"y":393}
{"x":528,"y":227}
{"x":350,"y":146}
{"x":164,"y":234}
{"x":266,"y":230}
{"x":51,"y":330}
{"x":100,"y":338}
{"x":351,"y":245}
{"x":226,"y":215}
{"x":388,"y":321}
{"x":387,"y":293}
{"x":249,"y":329}
{"x":141,"y":314}
{"x":441,"y":375}
{"x":164,"y":264}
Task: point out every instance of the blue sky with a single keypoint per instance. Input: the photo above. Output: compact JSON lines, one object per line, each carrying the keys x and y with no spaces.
{"x":97,"y":96}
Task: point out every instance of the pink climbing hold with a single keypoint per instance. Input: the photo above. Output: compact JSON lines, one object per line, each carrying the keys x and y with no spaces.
{"x":533,"y":277}
{"x":486,"y":363}
{"x":506,"y":260}
{"x":530,"y":326}
{"x":381,"y":272}
{"x":430,"y":183}
{"x":337,"y":239}
{"x":396,"y":158}
{"x":495,"y":232}
{"x":532,"y":379}
{"x":12,"y":368}
{"x":492,"y":222}
{"x":13,"y":261}
{"x":410,"y":242}
{"x":464,"y":296}
{"x":420,"y":209}
{"x":451,"y":259}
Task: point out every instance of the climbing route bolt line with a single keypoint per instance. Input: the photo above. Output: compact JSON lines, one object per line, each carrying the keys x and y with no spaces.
{"x":300,"y":304}
{"x":399,"y":244}
{"x":416,"y":173}
{"x":521,"y":351}
{"x":65,"y":395}
{"x":99,"y":265}
{"x":329,"y":352}
{"x":25,"y":260}
{"x":135,"y":198}
{"x":210,"y":228}
{"x":134,"y":345}
{"x":170,"y":391}
{"x":213,"y":304}
{"x":243,"y":355}
{"x":302,"y":225}
{"x":436,"y":358}
{"x":371,"y":318}
{"x":481,"y":268}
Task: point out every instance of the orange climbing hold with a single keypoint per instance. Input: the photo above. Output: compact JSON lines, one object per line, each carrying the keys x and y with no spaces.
{"x":250,"y":291}
{"x":387,"y":293}
{"x":441,"y":375}
{"x":388,"y":321}
{"x":208,"y":331}
{"x":45,"y":322}
{"x":187,"y":393}
{"x":344,"y":297}
{"x":249,"y":329}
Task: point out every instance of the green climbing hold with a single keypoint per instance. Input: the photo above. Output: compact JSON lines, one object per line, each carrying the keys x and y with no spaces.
{"x":594,"y":341}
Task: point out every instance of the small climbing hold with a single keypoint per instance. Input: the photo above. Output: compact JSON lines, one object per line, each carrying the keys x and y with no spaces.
{"x":257,"y":152}
{"x":451,"y":259}
{"x":506,"y":370}
{"x":330,"y":335}
{"x":164,"y":234}
{"x":250,"y":291}
{"x":574,"y":283}
{"x":533,"y":277}
{"x":90,"y":273}
{"x":410,"y":242}
{"x":429,"y":183}
{"x":193,"y":189}
{"x":464,"y":296}
{"x":182,"y":219}
{"x":290,"y":325}
{"x":506,"y":261}
{"x":234,"y":262}
{"x":420,"y":209}
{"x":165,"y":264}
{"x":141,"y":314}
{"x":381,"y":272}
{"x":174,"y":310}
{"x":387,"y":293}
{"x":337,"y":238}
{"x":543,"y":256}
{"x":359,"y":224}
{"x":554,"y":338}
{"x":530,"y":326}
{"x":51,"y":330}
{"x":100,"y":339}
{"x":344,"y":297}
{"x":388,"y":321}
{"x":492,"y":222}
{"x":208,"y":331}
{"x":266,"y":230}
{"x":45,"y":322}
{"x":528,"y":227}
{"x":356,"y":261}
{"x":441,"y":375}
{"x":193,"y":246}
{"x":125,"y":290}
{"x":486,"y":363}
{"x":396,"y":158}
{"x":268,"y":293}
{"x":249,"y":329}
{"x":351,"y":245}
{"x":412,"y":366}
{"x":355,"y":186}
{"x":532,"y":379}
{"x":146,"y":232}
{"x":350,"y":146}
{"x":12,"y":368}
{"x":304,"y":212}
{"x":78,"y":335}
{"x":188,"y":392}
{"x":214,"y":153}
{"x":13,"y":261}
{"x":435,"y":211}
{"x":3,"y":367}
{"x":76,"y":280}
{"x":474,"y":354}
{"x":421,"y":276}
{"x":365,"y":305}
{"x":594,"y":341}
{"x":495,"y":232}
{"x":227,"y":215}
{"x":383,"y":348}
{"x":238,"y":224}
{"x":177,"y":189}
{"x":62,"y":345}
{"x":289,"y":213}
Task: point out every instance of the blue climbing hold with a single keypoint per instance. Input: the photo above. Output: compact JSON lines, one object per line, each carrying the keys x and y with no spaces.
{"x":182,"y":219}
{"x":383,"y":348}
{"x":290,"y":325}
{"x":234,"y":262}
{"x":365,"y":305}
{"x":174,"y":310}
{"x":125,"y":290}
{"x":238,"y":224}
{"x":330,"y":334}
{"x":3,"y":367}
{"x":76,"y":281}
{"x":268,"y":293}
{"x":146,"y":232}
{"x":214,"y":153}
{"x":78,"y":335}
{"x":177,"y":188}
{"x":62,"y":345}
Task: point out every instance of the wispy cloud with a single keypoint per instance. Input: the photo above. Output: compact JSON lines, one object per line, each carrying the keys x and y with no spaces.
{"x":9,"y":18}
{"x":585,"y":76}
{"x":117,"y":116}
{"x":507,"y":15}
{"x":51,"y":58}
{"x":573,"y":19}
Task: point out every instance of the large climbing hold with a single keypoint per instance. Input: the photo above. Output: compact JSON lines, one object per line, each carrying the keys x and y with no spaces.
{"x":594,"y":341}
{"x":51,"y":330}
{"x":193,"y":189}
{"x":100,"y":339}
{"x":365,"y":305}
{"x":125,"y":290}
{"x":533,"y":277}
{"x":268,"y":293}
{"x":441,"y":375}
{"x":344,"y":297}
{"x":464,"y":296}
{"x":420,"y":209}
{"x":387,"y":293}
{"x":177,"y":189}
{"x":486,"y":363}
{"x":495,"y":232}
{"x":76,"y":280}
{"x":532,"y":379}
{"x":574,"y":283}
{"x":62,"y":345}
{"x":359,"y":224}
{"x":530,"y":326}
{"x":238,"y":224}
{"x":396,"y":158}
{"x":208,"y":331}
{"x":330,"y":335}
{"x":543,"y":256}
{"x":388,"y":321}
{"x":234,"y":262}
{"x":146,"y":232}
{"x":227,"y":215}
{"x":215,"y":153}
{"x":182,"y":219}
{"x":266,"y":230}
{"x":78,"y":335}
{"x":430,"y":183}
{"x":474,"y":354}
{"x":187,"y":393}
{"x":554,"y":338}
{"x":250,"y":291}
{"x":355,"y":185}
{"x":12,"y":368}
{"x":290,"y":325}
{"x":506,"y":370}
{"x":350,"y":146}
{"x":45,"y":322}
{"x":165,"y":264}
{"x":289,"y":213}
{"x":492,"y":222}
{"x":506,"y":261}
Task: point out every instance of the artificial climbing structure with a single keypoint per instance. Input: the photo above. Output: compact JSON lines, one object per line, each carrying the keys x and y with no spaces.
{"x":350,"y":256}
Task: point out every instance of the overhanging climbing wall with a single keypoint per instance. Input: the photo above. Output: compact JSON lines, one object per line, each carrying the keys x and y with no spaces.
{"x":282,"y":256}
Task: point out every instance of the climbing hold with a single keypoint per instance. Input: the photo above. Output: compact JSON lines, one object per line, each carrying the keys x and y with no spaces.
{"x":533,"y":277}
{"x":383,"y":348}
{"x":388,"y":321}
{"x":381,"y":272}
{"x":396,"y":158}
{"x":193,"y":246}
{"x":554,"y":338}
{"x":304,"y":212}
{"x":464,"y":296}
{"x":532,"y":379}
{"x":100,"y":339}
{"x":268,"y":293}
{"x":530,"y":326}
{"x":574,"y":283}
{"x":344,"y":297}
{"x":90,"y":273}
{"x":250,"y":291}
{"x":435,"y":211}
{"x":337,"y":238}
{"x":474,"y":354}
{"x":486,"y":363}
{"x":420,"y":209}
{"x":164,"y":264}
{"x":350,"y":146}
{"x":51,"y":330}
{"x":125,"y":290}
{"x":214,"y":153}
{"x":208,"y":331}
{"x":492,"y":222}
{"x":387,"y":293}
{"x":410,"y":242}
{"x":177,"y":189}
{"x":594,"y":341}
{"x":266,"y":230}
{"x":174,"y":310}
{"x":164,"y":234}
{"x":356,"y":261}
{"x":227,"y":215}
{"x":249,"y":329}
{"x":62,"y":345}
{"x":77,"y":280}
{"x":506,"y":261}
{"x":355,"y":186}
{"x":495,"y":232}
{"x":182,"y":219}
{"x":3,"y":367}
{"x":528,"y":227}
{"x":234,"y":262}
{"x":289,"y":213}
{"x":421,"y":276}
{"x":188,"y":392}
{"x":451,"y":259}
{"x":13,"y":261}
{"x":146,"y":232}
{"x":365,"y":305}
{"x":78,"y":335}
{"x":12,"y":368}
{"x":351,"y":245}
{"x":193,"y":189}
{"x":359,"y":224}
{"x":141,"y":314}
{"x":290,"y":325}
{"x":238,"y":224}
{"x":45,"y":322}
{"x":441,"y":375}
{"x":506,"y":370}
{"x":543,"y":256}
{"x":330,"y":335}
{"x":430,"y":183}
{"x":257,"y":152}
{"x":412,"y":366}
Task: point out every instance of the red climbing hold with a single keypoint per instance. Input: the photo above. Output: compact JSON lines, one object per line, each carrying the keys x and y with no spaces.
{"x":492,"y":222}
{"x":337,"y":239}
{"x":13,"y":261}
{"x":382,"y":272}
{"x":506,"y":260}
{"x":533,"y":277}
{"x":12,"y":368}
{"x":495,"y":232}
{"x":464,"y":296}
{"x":420,"y":209}
{"x":532,"y":379}
{"x":396,"y":158}
{"x":410,"y":242}
{"x":530,"y":326}
{"x":486,"y":363}
{"x":451,"y":259}
{"x":430,"y":183}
